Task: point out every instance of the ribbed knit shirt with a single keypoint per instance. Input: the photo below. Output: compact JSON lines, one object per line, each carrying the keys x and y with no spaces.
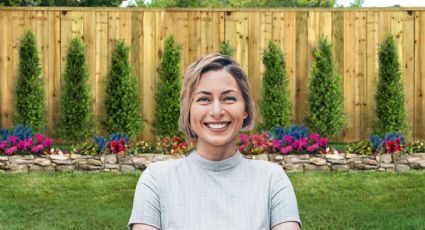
{"x":193,"y":193}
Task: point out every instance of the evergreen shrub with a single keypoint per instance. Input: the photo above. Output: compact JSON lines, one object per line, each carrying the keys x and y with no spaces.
{"x":226,"y":49}
{"x":325,"y":98}
{"x":390,"y":109}
{"x":167,"y":96}
{"x":76,"y":119}
{"x":122,"y":102}
{"x":275,"y":104}
{"x":30,"y":104}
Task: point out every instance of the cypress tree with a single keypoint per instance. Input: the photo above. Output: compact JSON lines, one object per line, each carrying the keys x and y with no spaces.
{"x":167,"y":101}
{"x":325,"y":98}
{"x":390,"y":109}
{"x":122,"y":102}
{"x":30,"y":105}
{"x":226,"y":49}
{"x":76,"y":119}
{"x":275,"y":104}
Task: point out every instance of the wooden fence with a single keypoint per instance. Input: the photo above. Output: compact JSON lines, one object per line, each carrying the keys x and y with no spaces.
{"x":355,"y":35}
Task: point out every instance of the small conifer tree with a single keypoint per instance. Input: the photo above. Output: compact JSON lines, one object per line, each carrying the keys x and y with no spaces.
{"x":325,"y":98}
{"x":122,"y":102}
{"x":390,"y":109}
{"x":167,"y":101}
{"x":76,"y":118}
{"x":30,"y":105}
{"x":226,"y":49}
{"x":275,"y":104}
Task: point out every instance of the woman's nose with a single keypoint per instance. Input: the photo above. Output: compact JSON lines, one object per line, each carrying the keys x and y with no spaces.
{"x":217,"y":109}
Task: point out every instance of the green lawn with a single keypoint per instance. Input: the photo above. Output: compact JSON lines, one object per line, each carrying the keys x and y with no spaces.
{"x":104,"y":200}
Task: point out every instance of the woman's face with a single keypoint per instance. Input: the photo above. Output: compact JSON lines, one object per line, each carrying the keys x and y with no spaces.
{"x":217,"y":110}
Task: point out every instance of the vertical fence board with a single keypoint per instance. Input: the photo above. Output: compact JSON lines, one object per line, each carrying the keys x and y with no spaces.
{"x":254,"y":72}
{"x":407,"y":67}
{"x":372,"y":68}
{"x":302,"y":70}
{"x":361,"y":78}
{"x":419,"y":128}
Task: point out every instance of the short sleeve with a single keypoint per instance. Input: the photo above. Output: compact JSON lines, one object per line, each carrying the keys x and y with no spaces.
{"x":284,"y":206}
{"x":146,"y":205}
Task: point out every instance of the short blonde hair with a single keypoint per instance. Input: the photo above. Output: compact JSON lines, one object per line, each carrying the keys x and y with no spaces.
{"x":213,"y":62}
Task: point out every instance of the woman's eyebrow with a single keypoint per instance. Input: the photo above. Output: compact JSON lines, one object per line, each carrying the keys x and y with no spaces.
{"x":229,"y":91}
{"x":203,"y":92}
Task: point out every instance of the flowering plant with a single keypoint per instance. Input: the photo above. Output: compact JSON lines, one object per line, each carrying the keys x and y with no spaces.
{"x":21,"y":141}
{"x":254,"y":144}
{"x":393,"y":142}
{"x":174,"y":145}
{"x":117,"y":144}
{"x":142,"y":147}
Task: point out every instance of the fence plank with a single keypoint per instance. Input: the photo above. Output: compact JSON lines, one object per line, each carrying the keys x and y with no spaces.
{"x":419,"y":128}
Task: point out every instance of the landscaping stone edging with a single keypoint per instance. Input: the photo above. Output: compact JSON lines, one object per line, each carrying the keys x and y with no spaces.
{"x":131,"y":163}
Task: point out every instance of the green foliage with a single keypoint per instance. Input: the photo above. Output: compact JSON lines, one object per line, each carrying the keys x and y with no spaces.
{"x":122,"y":103}
{"x":356,"y":3}
{"x":20,"y":2}
{"x":275,"y":104}
{"x":325,"y":98}
{"x":167,"y":101}
{"x":242,"y":3}
{"x":361,"y":148}
{"x":226,"y":49}
{"x":30,"y":107}
{"x":76,"y":119}
{"x":390,"y":109}
{"x":85,"y":148}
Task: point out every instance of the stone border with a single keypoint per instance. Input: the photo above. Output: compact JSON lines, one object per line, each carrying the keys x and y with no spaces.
{"x":131,"y":163}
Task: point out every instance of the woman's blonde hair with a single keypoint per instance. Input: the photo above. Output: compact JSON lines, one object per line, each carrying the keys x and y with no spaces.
{"x":213,"y":62}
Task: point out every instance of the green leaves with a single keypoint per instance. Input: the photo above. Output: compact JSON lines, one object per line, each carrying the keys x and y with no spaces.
{"x":390,"y":109}
{"x":167,"y":96}
{"x":275,"y":105}
{"x":30,"y":105}
{"x":325,"y":99}
{"x":76,"y":118}
{"x":122,"y":103}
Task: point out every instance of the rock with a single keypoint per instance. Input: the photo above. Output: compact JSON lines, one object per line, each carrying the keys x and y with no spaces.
{"x":418,"y":164}
{"x":94,"y":162}
{"x":369,"y":161}
{"x":350,"y":156}
{"x":387,"y":165}
{"x":364,"y":166}
{"x":16,"y":168}
{"x":275,"y":157}
{"x":336,"y":159}
{"x":21,"y":160}
{"x":63,"y":162}
{"x":263,"y":157}
{"x":75,"y":156}
{"x":414,"y":158}
{"x":42,"y":162}
{"x":127,"y":168}
{"x":112,"y":166}
{"x":400,"y":159}
{"x":59,"y":157}
{"x":125,"y":159}
{"x":4,"y":158}
{"x":381,"y":170}
{"x":402,"y":168}
{"x":317,"y":161}
{"x":65,"y":168}
{"x":110,"y":159}
{"x":296,"y":159}
{"x":141,"y":163}
{"x":386,"y":158}
{"x":89,"y":167}
{"x":310,"y":167}
{"x":340,"y":168}
{"x":293,"y":167}
{"x":38,"y":168}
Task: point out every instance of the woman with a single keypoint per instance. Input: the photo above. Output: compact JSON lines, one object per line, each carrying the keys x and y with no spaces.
{"x":214,"y":187}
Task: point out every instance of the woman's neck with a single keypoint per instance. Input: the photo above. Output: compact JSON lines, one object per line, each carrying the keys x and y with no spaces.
{"x":216,"y":153}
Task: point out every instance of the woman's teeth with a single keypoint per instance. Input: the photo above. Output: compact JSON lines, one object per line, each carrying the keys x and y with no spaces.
{"x":217,"y":125}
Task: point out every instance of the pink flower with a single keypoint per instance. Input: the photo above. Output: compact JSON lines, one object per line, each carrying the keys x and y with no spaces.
{"x":255,"y":138}
{"x":243,"y":137}
{"x":11,"y":150}
{"x":314,"y":137}
{"x":286,"y":149}
{"x":288,"y":140}
{"x":47,"y":143}
{"x":241,"y":148}
{"x":37,"y":148}
{"x":3,"y":144}
{"x":312,"y":148}
{"x":323,"y":142}
{"x":12,"y":139}
{"x":39,"y":137}
{"x":296,"y":144}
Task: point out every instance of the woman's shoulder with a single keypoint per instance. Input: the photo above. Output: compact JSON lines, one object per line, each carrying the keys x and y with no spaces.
{"x":264,"y":167}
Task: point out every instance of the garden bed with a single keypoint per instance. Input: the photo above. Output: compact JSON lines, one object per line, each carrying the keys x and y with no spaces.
{"x":139,"y":162}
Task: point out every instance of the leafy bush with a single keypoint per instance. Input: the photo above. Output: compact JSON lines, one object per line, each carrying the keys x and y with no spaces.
{"x":167,"y":101}
{"x":414,"y":147}
{"x":143,"y":147}
{"x":122,"y":103}
{"x":390,"y":109}
{"x":76,"y":120}
{"x":85,"y":148}
{"x":30,"y":107}
{"x":275,"y":105}
{"x":325,"y":98}
{"x":226,"y":49}
{"x":21,"y":141}
{"x":393,"y":142}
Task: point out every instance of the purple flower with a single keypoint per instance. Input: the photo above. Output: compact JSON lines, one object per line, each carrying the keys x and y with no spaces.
{"x":323,"y":142}
{"x":12,"y":139}
{"x":314,"y":137}
{"x":48,"y":142}
{"x":11,"y":150}
{"x":39,"y":137}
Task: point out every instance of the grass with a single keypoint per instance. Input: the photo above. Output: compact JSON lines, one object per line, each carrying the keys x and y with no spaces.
{"x":104,"y":200}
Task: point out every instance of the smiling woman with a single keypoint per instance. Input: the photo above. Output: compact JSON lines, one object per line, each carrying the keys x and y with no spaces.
{"x":214,"y":187}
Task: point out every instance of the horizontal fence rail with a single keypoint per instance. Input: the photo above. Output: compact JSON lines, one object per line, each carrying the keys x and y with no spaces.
{"x":355,"y":35}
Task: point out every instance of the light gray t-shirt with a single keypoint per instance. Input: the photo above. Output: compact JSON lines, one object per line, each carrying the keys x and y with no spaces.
{"x":195,"y":193}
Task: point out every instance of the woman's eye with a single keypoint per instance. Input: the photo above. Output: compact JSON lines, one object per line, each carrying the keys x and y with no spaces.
{"x":202,"y":99}
{"x":230,"y":98}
